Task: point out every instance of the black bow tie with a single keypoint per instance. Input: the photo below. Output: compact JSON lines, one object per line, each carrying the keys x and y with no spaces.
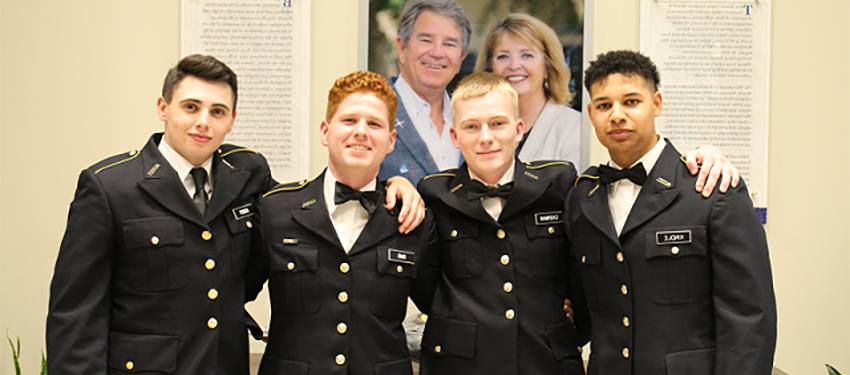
{"x":636,"y":174}
{"x":479,"y":190}
{"x":368,"y":199}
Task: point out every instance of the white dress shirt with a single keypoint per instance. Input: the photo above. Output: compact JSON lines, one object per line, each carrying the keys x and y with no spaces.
{"x":623,"y":193}
{"x":494,"y":205}
{"x":184,"y":169}
{"x":349,"y":218}
{"x":444,"y":153}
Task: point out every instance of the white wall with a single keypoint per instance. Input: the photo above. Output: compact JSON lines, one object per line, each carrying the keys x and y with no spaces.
{"x":79,"y":80}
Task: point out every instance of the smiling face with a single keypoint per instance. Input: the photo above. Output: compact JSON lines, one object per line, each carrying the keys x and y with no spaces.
{"x":198,"y":118}
{"x":522,"y":64}
{"x":487,"y":132}
{"x":433,"y":55}
{"x":358,"y":136}
{"x":623,"y":111}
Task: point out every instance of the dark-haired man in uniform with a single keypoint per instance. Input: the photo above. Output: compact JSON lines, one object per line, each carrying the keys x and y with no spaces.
{"x":676,"y":283}
{"x":150,"y":273}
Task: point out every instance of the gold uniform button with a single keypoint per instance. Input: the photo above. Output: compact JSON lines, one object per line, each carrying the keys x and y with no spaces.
{"x":675,"y":250}
{"x":212,"y":294}
{"x":500,"y":234}
{"x":249,"y":225}
{"x":154,"y":240}
{"x":209,"y":264}
{"x":212,"y":323}
{"x":626,"y":321}
{"x":340,"y":359}
{"x":454,"y":233}
{"x":620,"y":257}
{"x":583,"y":259}
{"x":508,"y":287}
{"x":399,"y":269}
{"x":344,"y":267}
{"x":551,"y":230}
{"x":505,"y":260}
{"x":624,"y":290}
{"x":625,"y":352}
{"x":129,"y":365}
{"x":510,"y":314}
{"x":438,"y":349}
{"x":131,"y":154}
{"x":341,"y":328}
{"x":343,"y":297}
{"x":290,"y":266}
{"x":206,"y":235}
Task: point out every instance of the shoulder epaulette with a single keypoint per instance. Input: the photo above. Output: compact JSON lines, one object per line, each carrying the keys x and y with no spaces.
{"x":115,"y":160}
{"x":224,"y":152}
{"x":590,"y":174}
{"x":289,"y":186}
{"x":446,"y":173}
{"x":537,"y":164}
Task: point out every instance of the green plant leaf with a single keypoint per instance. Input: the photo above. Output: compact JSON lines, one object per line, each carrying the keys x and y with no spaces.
{"x":43,"y":364}
{"x":832,"y":370}
{"x":15,"y":353}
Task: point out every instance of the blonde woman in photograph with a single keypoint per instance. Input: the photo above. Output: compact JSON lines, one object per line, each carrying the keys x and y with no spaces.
{"x":527,"y":53}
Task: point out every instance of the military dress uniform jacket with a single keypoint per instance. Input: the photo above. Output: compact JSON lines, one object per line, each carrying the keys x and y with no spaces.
{"x":144,"y":283}
{"x":685,"y":289}
{"x":498,"y":303}
{"x":335,"y":312}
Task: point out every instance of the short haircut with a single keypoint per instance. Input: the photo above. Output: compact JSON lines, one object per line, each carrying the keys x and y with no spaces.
{"x":627,"y":63}
{"x":202,"y":66}
{"x":362,"y":82}
{"x":537,"y":34}
{"x":446,"y":8}
{"x":482,"y":83}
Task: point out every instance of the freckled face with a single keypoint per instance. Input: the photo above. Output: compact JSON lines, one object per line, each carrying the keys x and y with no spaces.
{"x":358,"y":136}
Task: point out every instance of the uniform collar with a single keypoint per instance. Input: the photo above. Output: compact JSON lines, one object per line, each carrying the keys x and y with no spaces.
{"x":182,"y":166}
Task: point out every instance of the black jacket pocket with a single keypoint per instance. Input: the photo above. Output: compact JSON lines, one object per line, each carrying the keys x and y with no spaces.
{"x":139,"y":353}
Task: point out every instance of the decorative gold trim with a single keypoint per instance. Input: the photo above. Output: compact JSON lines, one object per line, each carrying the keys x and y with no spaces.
{"x":300,"y":183}
{"x":237,"y":150}
{"x":529,"y":166}
{"x":134,"y":154}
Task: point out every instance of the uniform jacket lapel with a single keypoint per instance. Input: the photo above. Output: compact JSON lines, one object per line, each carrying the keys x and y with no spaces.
{"x":161,"y":182}
{"x":381,"y":225}
{"x":527,"y":188}
{"x":595,"y":208}
{"x":658,"y":192}
{"x":313,"y":215}
{"x":456,"y":196}
{"x":229,"y":181}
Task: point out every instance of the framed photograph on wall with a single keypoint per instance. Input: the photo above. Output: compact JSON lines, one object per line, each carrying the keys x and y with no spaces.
{"x":565,"y":17}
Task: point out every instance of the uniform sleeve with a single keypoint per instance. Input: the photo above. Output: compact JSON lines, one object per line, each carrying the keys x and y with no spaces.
{"x":79,"y":310}
{"x":257,"y":269}
{"x":744,"y":302}
{"x":429,"y":274}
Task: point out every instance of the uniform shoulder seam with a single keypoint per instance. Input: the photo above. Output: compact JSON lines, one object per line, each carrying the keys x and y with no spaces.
{"x":131,"y":155}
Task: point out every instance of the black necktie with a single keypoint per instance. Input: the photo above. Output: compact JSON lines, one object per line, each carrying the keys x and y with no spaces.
{"x":636,"y":174}
{"x":200,"y":196}
{"x":479,"y":190}
{"x":368,"y":199}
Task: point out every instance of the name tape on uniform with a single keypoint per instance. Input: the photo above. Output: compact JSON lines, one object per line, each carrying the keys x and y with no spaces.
{"x":242,"y":212}
{"x":401,"y":256}
{"x":673,"y":237}
{"x":546,"y":218}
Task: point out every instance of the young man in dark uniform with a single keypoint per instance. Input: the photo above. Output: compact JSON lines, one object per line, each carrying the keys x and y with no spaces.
{"x":505,"y":266}
{"x":676,"y":283}
{"x":149,"y":276}
{"x":339,"y":271}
